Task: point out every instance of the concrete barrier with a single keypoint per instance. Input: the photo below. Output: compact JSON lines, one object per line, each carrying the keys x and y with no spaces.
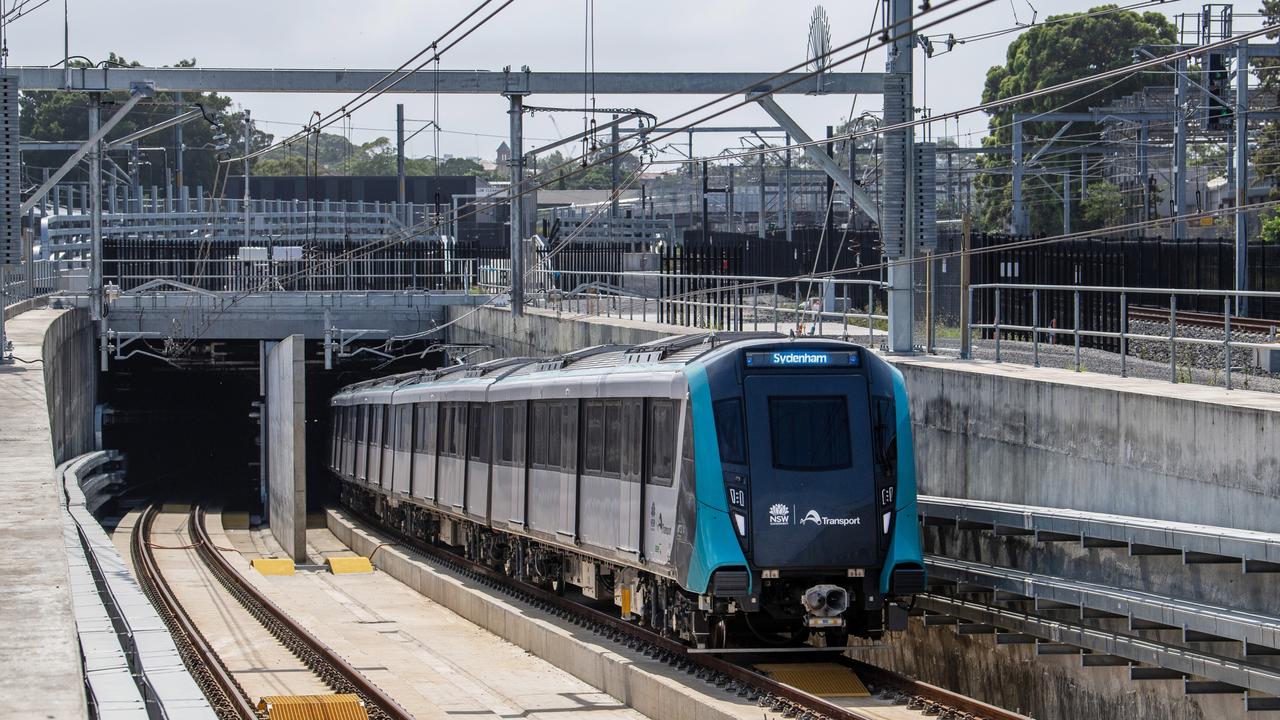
{"x":287,"y":446}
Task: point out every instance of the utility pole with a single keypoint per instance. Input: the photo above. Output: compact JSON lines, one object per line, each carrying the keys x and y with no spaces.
{"x":786,"y":181}
{"x":181,"y":167}
{"x":900,"y":109}
{"x":1179,"y":149}
{"x":95,"y":211}
{"x":1242,"y":176}
{"x":400,"y":162}
{"x":615,"y":168}
{"x":1066,"y":203}
{"x":516,"y":115}
{"x":248,"y":220}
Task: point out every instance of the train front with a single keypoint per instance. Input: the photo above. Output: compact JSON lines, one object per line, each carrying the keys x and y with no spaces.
{"x":815,"y":449}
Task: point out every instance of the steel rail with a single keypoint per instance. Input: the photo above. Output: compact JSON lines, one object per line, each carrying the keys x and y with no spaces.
{"x":217,"y":683}
{"x":1203,"y":319}
{"x":721,"y":672}
{"x":327,"y":664}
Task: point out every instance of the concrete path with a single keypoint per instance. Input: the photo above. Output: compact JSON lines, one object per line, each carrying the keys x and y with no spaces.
{"x":40,"y":670}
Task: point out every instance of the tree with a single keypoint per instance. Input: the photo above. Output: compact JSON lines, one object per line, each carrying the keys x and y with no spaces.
{"x":1066,"y":47}
{"x":283,"y":165}
{"x":573,"y":176}
{"x":64,"y":116}
{"x":1103,"y":206}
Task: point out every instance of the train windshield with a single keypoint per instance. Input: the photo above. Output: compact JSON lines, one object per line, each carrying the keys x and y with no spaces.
{"x":810,"y":433}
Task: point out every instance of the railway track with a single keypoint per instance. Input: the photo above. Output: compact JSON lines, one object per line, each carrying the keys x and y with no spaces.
{"x":740,"y":680}
{"x":1202,"y":319}
{"x":218,"y":684}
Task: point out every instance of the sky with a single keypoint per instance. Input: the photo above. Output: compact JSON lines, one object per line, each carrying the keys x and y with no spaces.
{"x":660,"y":35}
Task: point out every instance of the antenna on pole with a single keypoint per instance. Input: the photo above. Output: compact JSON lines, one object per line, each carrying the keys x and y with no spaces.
{"x":819,"y":45}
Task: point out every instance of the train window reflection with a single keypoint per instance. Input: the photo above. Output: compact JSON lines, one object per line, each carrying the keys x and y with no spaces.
{"x":733,"y":446}
{"x":810,"y":433}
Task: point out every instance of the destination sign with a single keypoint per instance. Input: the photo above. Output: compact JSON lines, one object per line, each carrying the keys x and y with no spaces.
{"x":802,"y":359}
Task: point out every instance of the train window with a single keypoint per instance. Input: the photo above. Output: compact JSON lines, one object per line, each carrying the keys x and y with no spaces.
{"x":539,"y":435}
{"x":568,"y":435}
{"x":425,"y":424}
{"x":520,"y":418}
{"x":404,"y":431}
{"x":375,"y":425}
{"x":446,"y":429}
{"x":686,"y":446}
{"x":479,"y":437}
{"x":661,"y":438}
{"x":733,"y":444}
{"x":632,"y":438}
{"x":810,"y":433}
{"x":554,"y":413}
{"x":593,"y":451}
{"x":613,"y":439}
{"x":362,"y":418}
{"x":387,"y":428}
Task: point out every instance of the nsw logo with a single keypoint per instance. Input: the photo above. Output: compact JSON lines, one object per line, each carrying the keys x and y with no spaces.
{"x":779,"y":514}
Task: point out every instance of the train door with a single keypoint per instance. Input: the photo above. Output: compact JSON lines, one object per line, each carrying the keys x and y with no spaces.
{"x":812,"y":483}
{"x":630,"y":490}
{"x":659,"y":508}
{"x":569,"y":478}
{"x":424,"y":452}
{"x":362,"y":442}
{"x":479,"y":452}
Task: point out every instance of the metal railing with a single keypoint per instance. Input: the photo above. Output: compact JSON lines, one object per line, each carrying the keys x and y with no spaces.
{"x":19,"y":283}
{"x":998,"y":328}
{"x":715,"y":302}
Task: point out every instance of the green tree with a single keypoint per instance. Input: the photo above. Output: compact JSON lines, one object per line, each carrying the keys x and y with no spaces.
{"x":1103,"y":206}
{"x":64,"y":116}
{"x":1266,"y":160}
{"x":1070,"y":46}
{"x":573,"y":176}
{"x":283,"y":165}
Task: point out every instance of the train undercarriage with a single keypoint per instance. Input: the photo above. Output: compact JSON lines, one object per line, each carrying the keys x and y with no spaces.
{"x":792,"y":612}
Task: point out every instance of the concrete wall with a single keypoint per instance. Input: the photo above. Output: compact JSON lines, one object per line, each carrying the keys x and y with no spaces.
{"x":69,"y":352}
{"x":1089,"y":442}
{"x":286,"y":446}
{"x":543,"y":332}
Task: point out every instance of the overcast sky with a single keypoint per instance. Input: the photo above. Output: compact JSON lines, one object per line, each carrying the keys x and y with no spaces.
{"x":671,"y":35}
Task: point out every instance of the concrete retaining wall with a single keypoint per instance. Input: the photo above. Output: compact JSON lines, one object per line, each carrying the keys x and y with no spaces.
{"x":71,"y":383}
{"x":287,"y":446}
{"x":543,"y":332}
{"x":1088,"y":442}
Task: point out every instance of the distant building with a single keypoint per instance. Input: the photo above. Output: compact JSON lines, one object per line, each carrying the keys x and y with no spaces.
{"x":503,"y":158}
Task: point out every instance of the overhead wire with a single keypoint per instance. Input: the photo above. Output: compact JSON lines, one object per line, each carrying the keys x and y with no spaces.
{"x":885,"y":38}
{"x":1021,"y":97}
{"x":375,"y":91}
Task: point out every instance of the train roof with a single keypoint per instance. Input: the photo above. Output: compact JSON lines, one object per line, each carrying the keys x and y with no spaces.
{"x":669,"y":354}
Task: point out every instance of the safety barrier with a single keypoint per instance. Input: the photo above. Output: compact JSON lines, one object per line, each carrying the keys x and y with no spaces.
{"x":132,"y":667}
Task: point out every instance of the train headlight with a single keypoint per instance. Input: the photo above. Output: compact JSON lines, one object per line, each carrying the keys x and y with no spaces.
{"x":740,"y":522}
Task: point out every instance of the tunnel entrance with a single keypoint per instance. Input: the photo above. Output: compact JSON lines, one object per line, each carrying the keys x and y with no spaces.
{"x":190,"y":427}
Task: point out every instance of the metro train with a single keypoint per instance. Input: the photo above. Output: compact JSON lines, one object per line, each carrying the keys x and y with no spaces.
{"x":727,"y":490}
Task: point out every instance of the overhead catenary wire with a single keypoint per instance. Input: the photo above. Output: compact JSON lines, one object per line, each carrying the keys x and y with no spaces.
{"x":1021,"y":97}
{"x":549,"y":174}
{"x":377,"y":89}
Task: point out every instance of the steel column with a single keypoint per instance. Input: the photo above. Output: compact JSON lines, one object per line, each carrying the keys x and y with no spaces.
{"x":1179,"y":150}
{"x":1242,"y":176}
{"x":517,"y":223}
{"x":902,"y":274}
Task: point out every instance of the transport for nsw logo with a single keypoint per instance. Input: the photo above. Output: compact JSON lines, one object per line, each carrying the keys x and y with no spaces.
{"x":779,"y":514}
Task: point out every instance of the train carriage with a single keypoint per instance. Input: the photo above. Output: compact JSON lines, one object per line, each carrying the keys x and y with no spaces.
{"x":726,"y":489}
